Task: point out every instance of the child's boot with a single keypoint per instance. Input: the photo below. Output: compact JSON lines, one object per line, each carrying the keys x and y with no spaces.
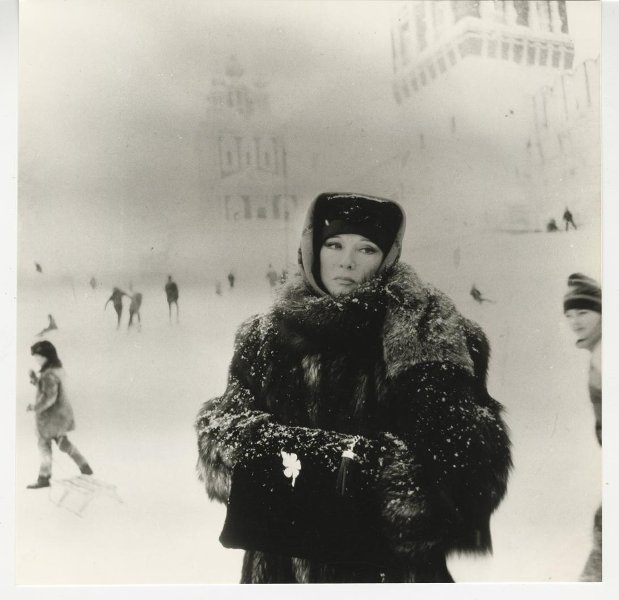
{"x":41,"y":482}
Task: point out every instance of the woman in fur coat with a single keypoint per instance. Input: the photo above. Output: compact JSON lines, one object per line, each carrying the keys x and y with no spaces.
{"x":54,"y":414}
{"x":368,"y":389}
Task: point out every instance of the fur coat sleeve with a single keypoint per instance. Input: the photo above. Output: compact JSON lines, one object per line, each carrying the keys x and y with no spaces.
{"x":54,"y":413}
{"x":47,"y":391}
{"x":231,"y":427}
{"x":451,"y":470}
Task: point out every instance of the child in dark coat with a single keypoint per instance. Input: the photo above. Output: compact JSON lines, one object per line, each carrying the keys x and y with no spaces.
{"x":53,"y":412}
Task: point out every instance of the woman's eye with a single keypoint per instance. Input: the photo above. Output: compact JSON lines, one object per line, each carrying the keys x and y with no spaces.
{"x":368,"y":250}
{"x":333,"y":245}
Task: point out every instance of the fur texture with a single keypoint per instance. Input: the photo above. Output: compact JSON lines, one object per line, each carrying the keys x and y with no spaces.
{"x":394,"y":363}
{"x":54,"y":414}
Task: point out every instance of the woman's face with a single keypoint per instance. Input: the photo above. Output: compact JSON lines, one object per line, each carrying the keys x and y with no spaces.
{"x":346,"y":261}
{"x":40,"y":360}
{"x":586,"y":324}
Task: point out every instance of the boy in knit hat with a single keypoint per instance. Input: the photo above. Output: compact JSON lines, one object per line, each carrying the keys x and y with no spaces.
{"x":582,"y":305}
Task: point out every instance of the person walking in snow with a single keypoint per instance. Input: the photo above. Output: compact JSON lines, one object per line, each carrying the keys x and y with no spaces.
{"x":50,"y":326}
{"x":356,"y":440}
{"x":231,"y":279}
{"x":134,"y":309}
{"x":117,"y":302}
{"x":477,"y":295}
{"x":53,"y":413}
{"x":551,"y":226}
{"x":569,"y":219}
{"x":171,"y":292}
{"x":582,"y":305}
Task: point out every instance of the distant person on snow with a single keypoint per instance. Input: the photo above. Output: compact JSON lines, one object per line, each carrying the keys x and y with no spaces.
{"x":171,"y":292}
{"x":552,"y":226}
{"x":50,"y":327}
{"x":477,"y":295}
{"x":569,"y":219}
{"x":231,"y":279}
{"x":582,"y":305}
{"x":53,"y":412}
{"x":134,"y":310}
{"x":272,"y":276}
{"x":38,"y":267}
{"x":117,"y":301}
{"x":93,"y":283}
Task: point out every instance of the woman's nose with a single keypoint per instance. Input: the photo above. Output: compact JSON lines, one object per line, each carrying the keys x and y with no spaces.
{"x":347,"y":261}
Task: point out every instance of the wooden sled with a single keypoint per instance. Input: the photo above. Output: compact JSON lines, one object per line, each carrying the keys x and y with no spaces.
{"x":78,"y":492}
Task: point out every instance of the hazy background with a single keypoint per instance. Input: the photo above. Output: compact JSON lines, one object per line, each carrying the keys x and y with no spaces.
{"x":112,"y":95}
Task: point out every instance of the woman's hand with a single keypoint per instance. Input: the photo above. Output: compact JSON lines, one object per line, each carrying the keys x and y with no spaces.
{"x":33,"y":377}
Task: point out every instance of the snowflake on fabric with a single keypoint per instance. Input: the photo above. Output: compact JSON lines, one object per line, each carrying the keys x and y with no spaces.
{"x":485,"y":413}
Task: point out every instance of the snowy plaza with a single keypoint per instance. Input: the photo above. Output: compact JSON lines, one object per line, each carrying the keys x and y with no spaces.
{"x":136,"y":396}
{"x":187,"y":141}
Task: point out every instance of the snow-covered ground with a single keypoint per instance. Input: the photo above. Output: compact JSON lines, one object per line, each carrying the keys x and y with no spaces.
{"x":136,"y":394}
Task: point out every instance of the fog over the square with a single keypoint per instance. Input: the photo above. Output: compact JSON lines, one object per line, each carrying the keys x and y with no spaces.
{"x":112,"y":95}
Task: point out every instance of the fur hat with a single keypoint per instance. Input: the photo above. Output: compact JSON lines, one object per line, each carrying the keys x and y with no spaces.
{"x":582,"y":292}
{"x":48,"y":351}
{"x":360,"y":215}
{"x":380,"y":220}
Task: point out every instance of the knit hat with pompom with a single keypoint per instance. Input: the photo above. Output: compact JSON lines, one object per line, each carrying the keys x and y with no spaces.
{"x":582,"y":292}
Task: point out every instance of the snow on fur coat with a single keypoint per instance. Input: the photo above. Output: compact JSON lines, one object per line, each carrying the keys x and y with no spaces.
{"x":395,"y":363}
{"x":54,"y":414}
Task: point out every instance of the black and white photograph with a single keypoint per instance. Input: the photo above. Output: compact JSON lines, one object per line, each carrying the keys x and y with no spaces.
{"x":308,"y":292}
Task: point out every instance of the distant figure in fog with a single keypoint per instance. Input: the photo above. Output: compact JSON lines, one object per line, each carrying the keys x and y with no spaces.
{"x":50,"y":327}
{"x":552,"y":226}
{"x":171,"y":292}
{"x":477,"y":295}
{"x":134,"y":310}
{"x":272,"y":276}
{"x":93,"y":282}
{"x":231,"y":279}
{"x":569,"y":219}
{"x":117,"y":301}
{"x":54,"y":415}
{"x":218,"y":288}
{"x":582,"y":305}
{"x":38,"y":267}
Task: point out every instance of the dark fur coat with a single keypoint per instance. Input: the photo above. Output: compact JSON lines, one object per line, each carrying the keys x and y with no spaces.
{"x":396,"y":364}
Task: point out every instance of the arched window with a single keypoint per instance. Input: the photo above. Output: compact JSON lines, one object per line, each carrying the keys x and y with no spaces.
{"x":544,"y":15}
{"x":522,"y":12}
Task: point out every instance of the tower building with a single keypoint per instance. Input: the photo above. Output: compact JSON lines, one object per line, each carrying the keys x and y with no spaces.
{"x":463,"y":75}
{"x":244,"y":175}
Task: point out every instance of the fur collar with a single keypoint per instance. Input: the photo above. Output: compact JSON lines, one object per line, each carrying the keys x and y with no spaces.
{"x":416,"y":322}
{"x":334,"y":322}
